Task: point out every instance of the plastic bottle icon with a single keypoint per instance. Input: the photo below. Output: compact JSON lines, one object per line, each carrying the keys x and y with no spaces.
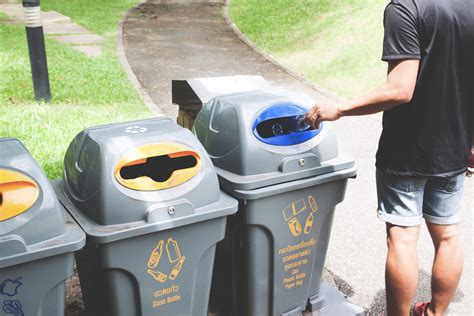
{"x":312,"y":203}
{"x":177,"y":268}
{"x":295,"y":226}
{"x":155,"y":255}
{"x":309,"y":223}
{"x":172,"y":248}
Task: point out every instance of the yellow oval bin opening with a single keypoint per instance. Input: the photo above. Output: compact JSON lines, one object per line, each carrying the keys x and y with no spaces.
{"x":17,"y":193}
{"x":157,"y":167}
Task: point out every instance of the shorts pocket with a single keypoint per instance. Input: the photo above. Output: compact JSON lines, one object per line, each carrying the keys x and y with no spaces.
{"x":405,"y":183}
{"x":449,"y":185}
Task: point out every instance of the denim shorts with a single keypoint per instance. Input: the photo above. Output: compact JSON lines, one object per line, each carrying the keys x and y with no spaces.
{"x":404,"y":200}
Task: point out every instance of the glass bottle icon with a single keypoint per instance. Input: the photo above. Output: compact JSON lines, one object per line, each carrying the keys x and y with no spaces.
{"x":309,"y":223}
{"x":155,"y":255}
{"x":177,"y":268}
{"x":312,"y":203}
{"x":158,"y":276}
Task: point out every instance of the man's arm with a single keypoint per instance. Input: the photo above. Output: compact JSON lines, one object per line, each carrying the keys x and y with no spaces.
{"x":398,"y":89}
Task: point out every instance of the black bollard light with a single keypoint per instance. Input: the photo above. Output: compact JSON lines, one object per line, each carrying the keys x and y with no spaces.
{"x":36,"y":48}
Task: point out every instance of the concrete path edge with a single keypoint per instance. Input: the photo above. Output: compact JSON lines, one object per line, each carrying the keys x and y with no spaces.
{"x":122,"y":57}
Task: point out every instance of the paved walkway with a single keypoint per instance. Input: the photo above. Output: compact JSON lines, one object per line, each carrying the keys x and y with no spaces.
{"x":60,"y":28}
{"x":179,"y":41}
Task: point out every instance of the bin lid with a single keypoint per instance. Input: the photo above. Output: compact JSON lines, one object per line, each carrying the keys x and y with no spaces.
{"x":258,"y":138}
{"x":200,"y":90}
{"x":283,"y":124}
{"x":137,"y":174}
{"x":32,"y":221}
{"x":157,"y":219}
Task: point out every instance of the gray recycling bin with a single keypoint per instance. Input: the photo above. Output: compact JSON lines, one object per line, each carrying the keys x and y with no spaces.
{"x":148,"y":198}
{"x":288,"y":180}
{"x":37,"y":237}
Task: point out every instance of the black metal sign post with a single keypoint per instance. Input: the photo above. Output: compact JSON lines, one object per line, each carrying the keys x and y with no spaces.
{"x":36,"y":48}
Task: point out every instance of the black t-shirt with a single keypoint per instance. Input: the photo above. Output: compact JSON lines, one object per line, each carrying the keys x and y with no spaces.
{"x":432,"y":134}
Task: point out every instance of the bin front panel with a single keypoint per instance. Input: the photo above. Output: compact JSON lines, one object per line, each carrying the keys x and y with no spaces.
{"x":164,"y":273}
{"x":285,"y":242}
{"x":36,"y":287}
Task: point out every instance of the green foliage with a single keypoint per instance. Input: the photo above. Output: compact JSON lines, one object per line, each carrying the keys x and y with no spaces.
{"x":75,"y":78}
{"x":336,"y":44}
{"x":47,"y":129}
{"x":86,"y":90}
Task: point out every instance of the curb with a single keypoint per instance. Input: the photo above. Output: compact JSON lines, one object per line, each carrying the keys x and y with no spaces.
{"x":272,"y":60}
{"x":122,"y":57}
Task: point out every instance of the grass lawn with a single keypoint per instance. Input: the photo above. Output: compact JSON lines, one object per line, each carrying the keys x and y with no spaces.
{"x":336,"y":44}
{"x":86,"y":91}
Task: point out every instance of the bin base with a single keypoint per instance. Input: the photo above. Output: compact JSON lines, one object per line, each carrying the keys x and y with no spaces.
{"x":294,"y":312}
{"x":334,"y":303}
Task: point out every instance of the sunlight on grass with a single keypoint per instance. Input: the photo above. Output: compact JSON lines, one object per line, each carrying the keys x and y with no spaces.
{"x":46,"y":130}
{"x":336,"y":44}
{"x":75,"y":78}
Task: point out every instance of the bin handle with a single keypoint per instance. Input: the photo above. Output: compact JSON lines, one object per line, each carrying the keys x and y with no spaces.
{"x":17,"y":193}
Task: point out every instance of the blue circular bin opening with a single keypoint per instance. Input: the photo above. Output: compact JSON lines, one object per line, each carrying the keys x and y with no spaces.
{"x":273,"y":125}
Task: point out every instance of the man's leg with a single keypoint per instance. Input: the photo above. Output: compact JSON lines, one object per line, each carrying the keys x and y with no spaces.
{"x":400,"y":201}
{"x":447,"y":266}
{"x":441,"y":210}
{"x":401,"y":271}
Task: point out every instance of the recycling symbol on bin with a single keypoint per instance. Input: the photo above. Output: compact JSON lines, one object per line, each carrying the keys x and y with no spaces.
{"x":174,"y":264}
{"x":135,"y":129}
{"x":297,"y":213}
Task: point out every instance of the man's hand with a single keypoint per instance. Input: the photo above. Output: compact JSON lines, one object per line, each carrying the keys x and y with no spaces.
{"x":322,"y":112}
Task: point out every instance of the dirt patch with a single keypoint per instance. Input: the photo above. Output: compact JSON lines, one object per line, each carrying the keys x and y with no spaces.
{"x":74,"y":301}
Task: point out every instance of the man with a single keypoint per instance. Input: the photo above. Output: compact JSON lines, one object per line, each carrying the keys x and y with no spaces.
{"x":426,"y":143}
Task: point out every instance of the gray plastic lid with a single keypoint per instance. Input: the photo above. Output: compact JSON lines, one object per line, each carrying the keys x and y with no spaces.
{"x":135,"y":177}
{"x":33,"y":224}
{"x":228,"y":127}
{"x":158,"y":219}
